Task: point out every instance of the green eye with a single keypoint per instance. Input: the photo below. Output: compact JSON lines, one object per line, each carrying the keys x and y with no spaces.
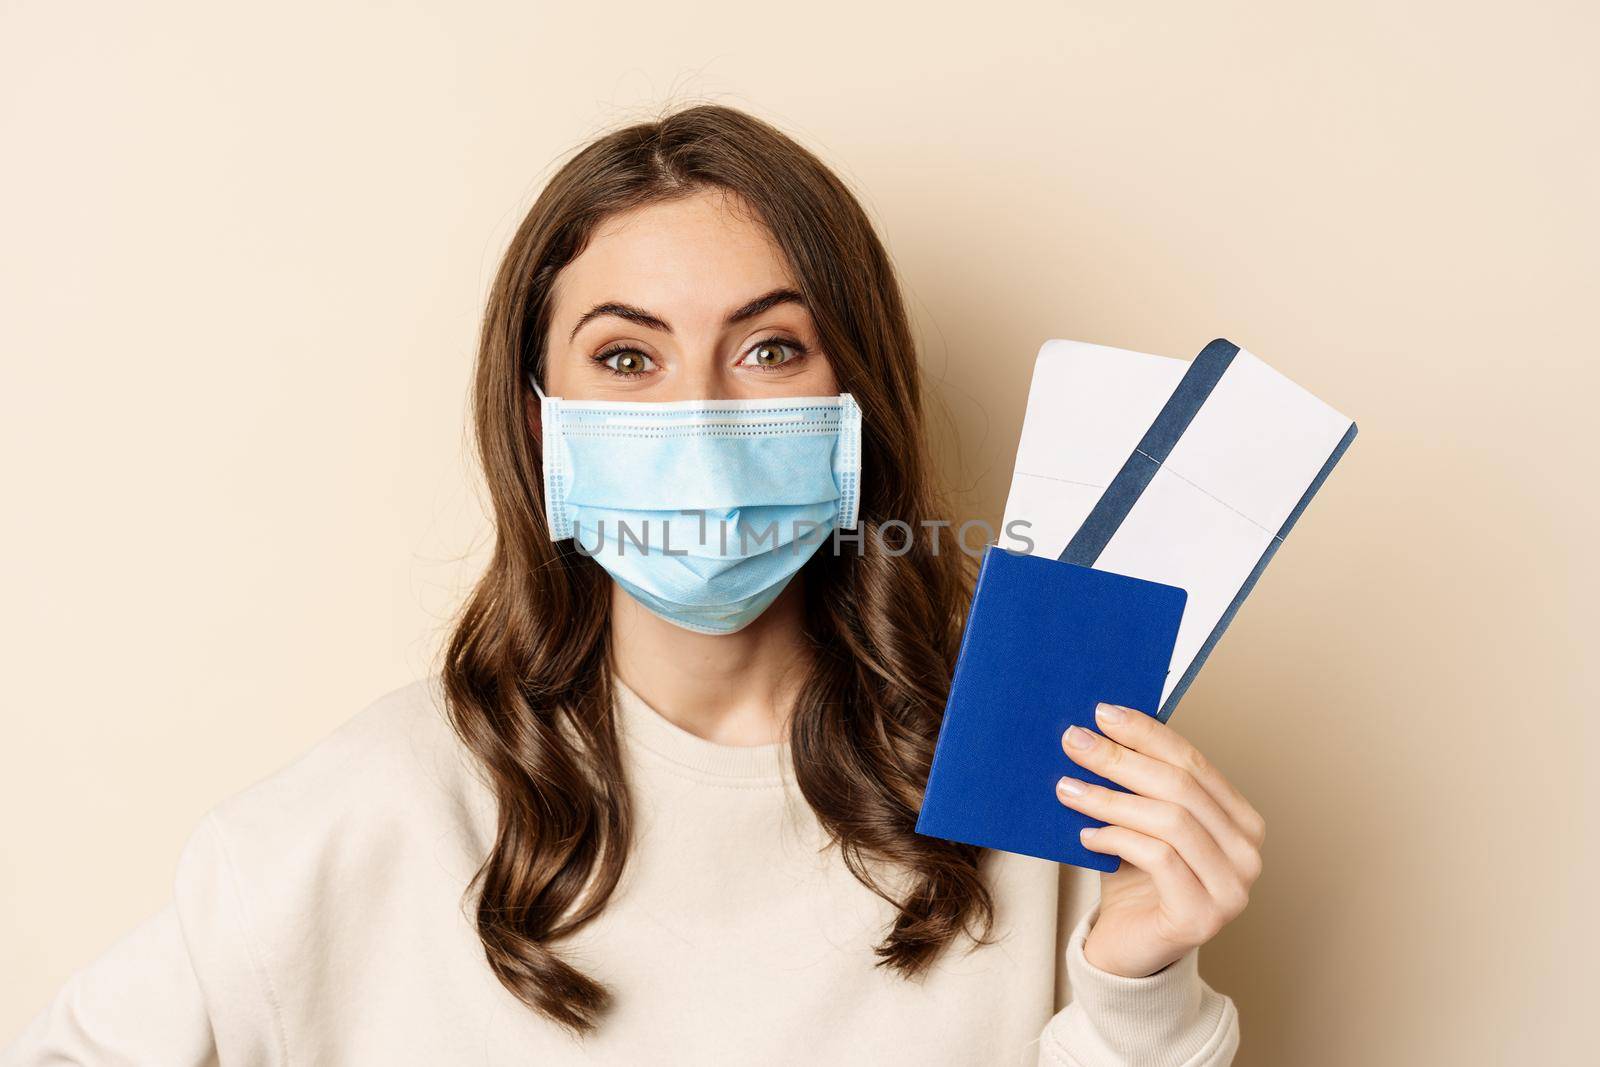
{"x":773,"y":352}
{"x":626,"y":362}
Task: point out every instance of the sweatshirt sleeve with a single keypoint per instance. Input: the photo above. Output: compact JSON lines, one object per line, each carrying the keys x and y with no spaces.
{"x":1168,"y":1019}
{"x":139,"y":1002}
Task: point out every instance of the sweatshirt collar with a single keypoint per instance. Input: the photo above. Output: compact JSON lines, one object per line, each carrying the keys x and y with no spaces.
{"x":750,"y":764}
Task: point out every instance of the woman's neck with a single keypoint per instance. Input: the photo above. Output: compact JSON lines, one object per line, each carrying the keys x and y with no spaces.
{"x":733,"y":689}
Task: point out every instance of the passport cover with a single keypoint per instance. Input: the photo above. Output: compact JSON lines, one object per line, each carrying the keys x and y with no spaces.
{"x":1044,"y":642}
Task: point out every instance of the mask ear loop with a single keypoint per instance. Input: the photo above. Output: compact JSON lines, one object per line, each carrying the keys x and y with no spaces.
{"x":554,"y":482}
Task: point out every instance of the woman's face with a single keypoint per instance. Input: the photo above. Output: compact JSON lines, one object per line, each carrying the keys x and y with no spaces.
{"x":684,"y":300}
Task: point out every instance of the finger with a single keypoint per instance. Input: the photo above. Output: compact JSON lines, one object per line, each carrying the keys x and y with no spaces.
{"x":1156,"y":778}
{"x":1182,"y":895}
{"x":1167,"y":822}
{"x":1149,"y":735}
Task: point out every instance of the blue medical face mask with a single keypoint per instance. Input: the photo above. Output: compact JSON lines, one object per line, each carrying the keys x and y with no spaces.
{"x":703,"y":510}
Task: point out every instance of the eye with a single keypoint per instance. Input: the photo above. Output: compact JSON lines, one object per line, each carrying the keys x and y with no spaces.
{"x":625,"y":362}
{"x":771,"y":353}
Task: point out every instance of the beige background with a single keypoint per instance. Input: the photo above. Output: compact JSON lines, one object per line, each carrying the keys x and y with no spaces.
{"x":244,"y":252}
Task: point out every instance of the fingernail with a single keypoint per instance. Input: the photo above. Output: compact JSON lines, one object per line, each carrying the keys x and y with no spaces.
{"x":1109,"y":713}
{"x":1078,"y":737}
{"x":1087,"y":832}
{"x":1070,"y":786}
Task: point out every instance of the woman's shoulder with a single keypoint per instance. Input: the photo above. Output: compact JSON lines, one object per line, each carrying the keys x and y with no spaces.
{"x":391,"y":778}
{"x":398,"y":752}
{"x":378,"y":826}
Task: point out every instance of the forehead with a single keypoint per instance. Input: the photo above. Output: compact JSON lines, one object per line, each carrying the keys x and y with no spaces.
{"x":706,"y":250}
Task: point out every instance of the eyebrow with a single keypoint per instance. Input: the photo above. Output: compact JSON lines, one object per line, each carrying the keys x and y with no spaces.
{"x":762,"y":303}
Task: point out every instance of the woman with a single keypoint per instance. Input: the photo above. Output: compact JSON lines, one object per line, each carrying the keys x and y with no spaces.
{"x":658,"y":804}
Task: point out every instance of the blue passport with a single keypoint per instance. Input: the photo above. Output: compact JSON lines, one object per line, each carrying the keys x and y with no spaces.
{"x":1045,"y":641}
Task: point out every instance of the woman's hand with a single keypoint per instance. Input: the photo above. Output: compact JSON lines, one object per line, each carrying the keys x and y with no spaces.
{"x":1191,"y":842}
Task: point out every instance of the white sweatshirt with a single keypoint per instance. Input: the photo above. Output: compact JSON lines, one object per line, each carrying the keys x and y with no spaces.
{"x":317,"y":919}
